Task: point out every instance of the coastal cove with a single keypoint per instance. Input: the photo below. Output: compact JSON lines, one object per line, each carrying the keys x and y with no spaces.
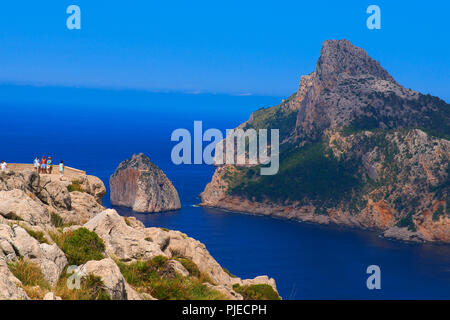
{"x":99,"y":129}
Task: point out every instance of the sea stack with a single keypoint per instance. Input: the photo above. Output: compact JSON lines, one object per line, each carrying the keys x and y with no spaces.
{"x":139,"y":184}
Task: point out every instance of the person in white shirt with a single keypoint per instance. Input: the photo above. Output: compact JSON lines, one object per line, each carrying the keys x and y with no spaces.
{"x":36,"y":164}
{"x":61,"y":170}
{"x":3,"y":166}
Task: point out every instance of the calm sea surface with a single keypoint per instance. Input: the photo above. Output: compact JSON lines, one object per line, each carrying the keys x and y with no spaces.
{"x":95,"y":130}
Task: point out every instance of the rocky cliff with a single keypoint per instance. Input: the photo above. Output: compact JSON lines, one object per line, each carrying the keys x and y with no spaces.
{"x":52,"y":236}
{"x":141,"y":185}
{"x":356,"y":148}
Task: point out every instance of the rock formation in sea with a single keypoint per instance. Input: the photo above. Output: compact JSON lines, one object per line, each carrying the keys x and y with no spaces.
{"x":141,"y":185}
{"x":356,"y":148}
{"x":118,"y":258}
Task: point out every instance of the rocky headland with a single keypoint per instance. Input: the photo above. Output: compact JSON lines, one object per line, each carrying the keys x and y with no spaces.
{"x":58,"y":242}
{"x":139,"y":184}
{"x":356,"y":149}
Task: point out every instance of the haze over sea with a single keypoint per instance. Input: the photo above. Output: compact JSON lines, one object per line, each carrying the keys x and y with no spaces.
{"x":94,"y":130}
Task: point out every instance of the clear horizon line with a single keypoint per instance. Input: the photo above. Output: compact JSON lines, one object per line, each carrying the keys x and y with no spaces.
{"x":140,"y":89}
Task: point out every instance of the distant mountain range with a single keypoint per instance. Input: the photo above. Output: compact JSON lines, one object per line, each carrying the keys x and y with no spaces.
{"x":357,"y":149}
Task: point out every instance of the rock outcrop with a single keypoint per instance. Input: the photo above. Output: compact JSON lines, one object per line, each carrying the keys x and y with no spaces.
{"x":34,"y":226}
{"x":356,"y":148}
{"x":122,"y":242}
{"x":15,"y":243}
{"x":142,"y":186}
{"x":109,"y":272}
{"x":10,"y":286}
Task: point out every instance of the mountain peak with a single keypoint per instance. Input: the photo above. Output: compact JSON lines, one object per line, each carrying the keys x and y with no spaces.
{"x":341,"y":56}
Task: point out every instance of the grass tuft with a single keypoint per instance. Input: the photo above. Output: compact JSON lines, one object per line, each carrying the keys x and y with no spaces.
{"x":81,"y":246}
{"x":38,"y":235}
{"x":157,"y":279}
{"x":56,"y":220}
{"x":75,"y":186}
{"x":30,"y":274}
{"x":91,"y":288}
{"x":257,"y":292}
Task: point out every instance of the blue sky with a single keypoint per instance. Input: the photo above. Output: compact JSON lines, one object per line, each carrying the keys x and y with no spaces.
{"x":237,"y":47}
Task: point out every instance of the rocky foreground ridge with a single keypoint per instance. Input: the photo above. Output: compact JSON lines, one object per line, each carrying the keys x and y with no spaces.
{"x":139,"y":184}
{"x":49,"y":228}
{"x":357,"y":149}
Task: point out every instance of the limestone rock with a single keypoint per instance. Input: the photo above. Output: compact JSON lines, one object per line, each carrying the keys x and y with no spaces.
{"x":51,"y":296}
{"x":392,"y":144}
{"x":92,"y":185}
{"x":9,"y":285}
{"x":54,"y":193}
{"x":113,"y":280}
{"x":142,"y":186}
{"x":226,"y":291}
{"x":128,"y":244}
{"x":25,"y":181}
{"x":122,"y":241}
{"x":17,"y":205}
{"x":177,"y":267}
{"x":15,"y":242}
{"x":403,"y":234}
{"x":84,"y":207}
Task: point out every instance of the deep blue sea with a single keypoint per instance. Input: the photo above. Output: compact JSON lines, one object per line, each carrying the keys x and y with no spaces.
{"x":94,"y":130}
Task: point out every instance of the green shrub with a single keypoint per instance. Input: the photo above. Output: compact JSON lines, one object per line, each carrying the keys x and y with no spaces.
{"x":407,"y":222}
{"x":438,"y":213}
{"x":82,"y":245}
{"x":190,"y":266}
{"x":310,"y":172}
{"x":156,"y":278}
{"x":361,"y":124}
{"x":228,"y":272}
{"x":75,"y":186}
{"x":257,"y":292}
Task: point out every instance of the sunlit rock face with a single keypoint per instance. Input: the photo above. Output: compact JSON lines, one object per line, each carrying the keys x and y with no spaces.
{"x":141,"y":185}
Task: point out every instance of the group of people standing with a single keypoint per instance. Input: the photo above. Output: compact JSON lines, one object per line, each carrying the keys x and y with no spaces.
{"x":41,"y":166}
{"x":46,"y":166}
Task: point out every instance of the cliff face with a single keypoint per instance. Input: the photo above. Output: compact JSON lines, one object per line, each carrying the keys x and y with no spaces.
{"x":37,"y":235}
{"x":356,"y":148}
{"x":142,"y":186}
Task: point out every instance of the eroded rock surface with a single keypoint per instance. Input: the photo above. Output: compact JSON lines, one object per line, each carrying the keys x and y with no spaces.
{"x":142,"y":186}
{"x":357,"y":149}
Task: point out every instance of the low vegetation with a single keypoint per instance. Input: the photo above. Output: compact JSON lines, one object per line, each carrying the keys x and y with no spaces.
{"x":38,"y":235}
{"x":407,"y":222}
{"x":91,"y":288}
{"x":30,"y":274}
{"x":257,"y":292}
{"x":228,"y":272}
{"x":190,"y":266}
{"x":438,"y":213}
{"x":158,"y":279}
{"x":56,"y":220}
{"x":80,"y":246}
{"x":311,"y":172}
{"x":75,"y":186}
{"x":279,"y":117}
